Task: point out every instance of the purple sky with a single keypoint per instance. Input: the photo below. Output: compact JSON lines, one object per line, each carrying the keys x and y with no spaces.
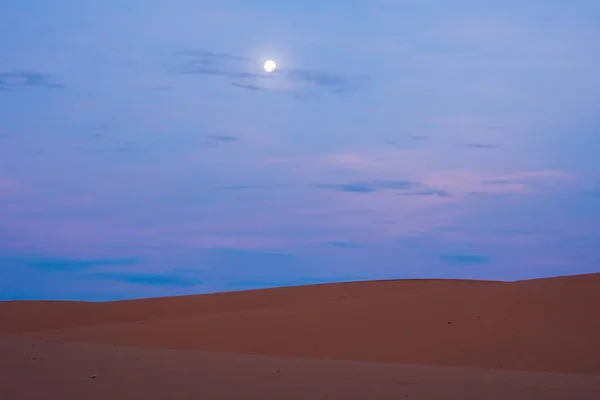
{"x":144,"y":152}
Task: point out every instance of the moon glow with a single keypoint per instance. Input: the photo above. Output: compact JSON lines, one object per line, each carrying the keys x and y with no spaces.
{"x":270,"y":66}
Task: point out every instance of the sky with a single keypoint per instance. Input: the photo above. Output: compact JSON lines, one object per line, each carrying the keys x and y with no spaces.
{"x":145,"y":152}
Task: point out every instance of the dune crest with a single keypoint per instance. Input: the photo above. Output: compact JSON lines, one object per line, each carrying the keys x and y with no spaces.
{"x":548,"y":325}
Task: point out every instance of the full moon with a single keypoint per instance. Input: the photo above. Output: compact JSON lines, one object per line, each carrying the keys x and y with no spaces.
{"x":270,"y":66}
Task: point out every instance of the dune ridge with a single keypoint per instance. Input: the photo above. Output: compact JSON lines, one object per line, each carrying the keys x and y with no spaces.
{"x":548,"y":325}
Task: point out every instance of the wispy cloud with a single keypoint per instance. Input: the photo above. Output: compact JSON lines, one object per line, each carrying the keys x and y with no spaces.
{"x":368,"y":187}
{"x":385,"y":222}
{"x":241,"y":243}
{"x":248,"y":86}
{"x":147,"y":279}
{"x":15,"y":80}
{"x":246,"y":73}
{"x":348,"y":245}
{"x":100,"y":140}
{"x":480,"y":145}
{"x":467,"y":182}
{"x":250,"y":187}
{"x":215,"y":141}
{"x":335,"y":82}
{"x":465,"y":259}
{"x":403,"y":187}
{"x":204,"y":62}
{"x":501,"y":181}
{"x":59,"y":264}
{"x":224,"y":138}
{"x":532,"y":179}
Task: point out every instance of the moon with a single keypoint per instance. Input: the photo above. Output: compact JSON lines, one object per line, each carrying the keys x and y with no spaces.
{"x":270,"y":66}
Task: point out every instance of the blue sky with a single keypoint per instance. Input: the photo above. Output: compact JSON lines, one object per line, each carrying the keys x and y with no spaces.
{"x":144,"y":152}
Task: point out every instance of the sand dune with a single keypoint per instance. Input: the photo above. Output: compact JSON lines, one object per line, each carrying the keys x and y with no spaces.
{"x":549,"y":325}
{"x":32,"y":370}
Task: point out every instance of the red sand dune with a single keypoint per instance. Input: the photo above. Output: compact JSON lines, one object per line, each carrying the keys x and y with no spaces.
{"x":75,"y":371}
{"x":544,"y":325}
{"x":537,"y":325}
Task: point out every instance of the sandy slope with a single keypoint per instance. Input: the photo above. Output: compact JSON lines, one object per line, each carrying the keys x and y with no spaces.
{"x":74,"y":371}
{"x":549,"y":325}
{"x":538,"y":325}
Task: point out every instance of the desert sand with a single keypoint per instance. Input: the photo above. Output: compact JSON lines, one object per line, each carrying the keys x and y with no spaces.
{"x":424,"y":339}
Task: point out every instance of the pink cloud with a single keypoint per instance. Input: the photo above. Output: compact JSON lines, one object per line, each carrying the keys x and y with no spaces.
{"x":10,"y":186}
{"x":461,"y":182}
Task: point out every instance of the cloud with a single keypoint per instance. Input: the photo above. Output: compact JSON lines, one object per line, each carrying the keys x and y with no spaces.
{"x":404,"y":187}
{"x":246,"y":73}
{"x":501,"y":181}
{"x":353,"y":161}
{"x":147,"y":279}
{"x":216,"y":141}
{"x":242,"y":243}
{"x":348,"y":245}
{"x":427,"y":192}
{"x":385,"y":222}
{"x":203,"y":62}
{"x":66,"y":264}
{"x":123,"y":147}
{"x":335,"y":82}
{"x":248,"y":86}
{"x":98,"y":140}
{"x":467,"y":182}
{"x":368,"y":187}
{"x":589,"y":193}
{"x":205,"y":57}
{"x":465,"y":259}
{"x":480,"y":146}
{"x":529,"y":179}
{"x":21,"y":79}
{"x":250,"y":187}
{"x":413,"y":138}
{"x":8,"y":185}
{"x":224,"y":138}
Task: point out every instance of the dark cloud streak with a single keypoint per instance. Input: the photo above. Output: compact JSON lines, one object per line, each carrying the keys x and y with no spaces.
{"x":14,"y":80}
{"x":250,"y":187}
{"x":348,"y":245}
{"x":405,"y":187}
{"x":59,"y":264}
{"x":224,"y":138}
{"x":335,"y":82}
{"x":465,"y":259}
{"x":250,"y":87}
